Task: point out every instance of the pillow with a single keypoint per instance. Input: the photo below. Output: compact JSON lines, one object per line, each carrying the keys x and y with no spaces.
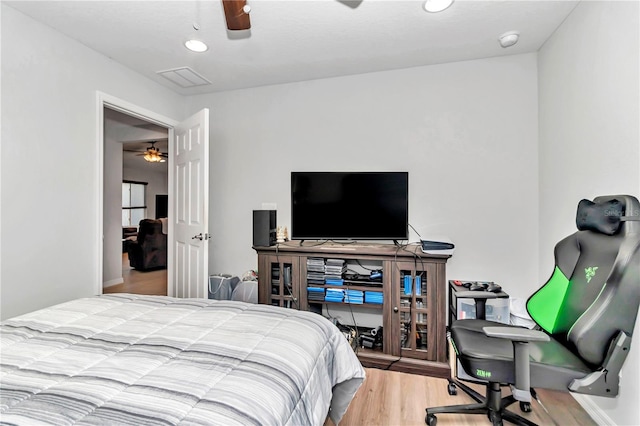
{"x":599,"y":217}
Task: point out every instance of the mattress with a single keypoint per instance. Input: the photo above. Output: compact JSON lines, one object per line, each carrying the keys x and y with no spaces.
{"x":131,"y":359}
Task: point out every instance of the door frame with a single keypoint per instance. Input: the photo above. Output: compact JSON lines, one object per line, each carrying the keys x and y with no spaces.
{"x":105,"y":100}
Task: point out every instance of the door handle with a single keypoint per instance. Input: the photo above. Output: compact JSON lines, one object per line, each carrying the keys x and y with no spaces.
{"x":201,"y":236}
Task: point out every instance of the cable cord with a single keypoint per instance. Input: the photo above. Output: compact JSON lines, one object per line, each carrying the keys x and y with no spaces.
{"x":355,"y":324}
{"x":414,"y":230}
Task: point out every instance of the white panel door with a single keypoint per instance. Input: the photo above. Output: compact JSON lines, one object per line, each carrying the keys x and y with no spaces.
{"x":191,"y":207}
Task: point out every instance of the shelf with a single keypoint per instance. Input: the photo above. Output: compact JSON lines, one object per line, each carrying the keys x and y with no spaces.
{"x":368,"y":284}
{"x":400,"y":315}
{"x":364,"y":305}
{"x":347,"y":287}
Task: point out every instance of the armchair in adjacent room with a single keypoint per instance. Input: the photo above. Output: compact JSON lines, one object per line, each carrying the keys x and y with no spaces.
{"x":585,"y":314}
{"x":149,"y":251}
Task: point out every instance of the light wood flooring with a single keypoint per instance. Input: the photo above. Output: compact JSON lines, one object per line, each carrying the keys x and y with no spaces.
{"x":391,"y":398}
{"x":138,"y":282}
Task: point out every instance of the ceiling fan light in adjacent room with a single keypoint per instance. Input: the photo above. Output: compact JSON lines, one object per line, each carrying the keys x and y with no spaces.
{"x":435,"y":6}
{"x":153,"y":157}
{"x":196,"y":46}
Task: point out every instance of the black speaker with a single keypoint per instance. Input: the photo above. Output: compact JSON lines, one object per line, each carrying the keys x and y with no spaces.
{"x":162,"y":206}
{"x":264,"y":228}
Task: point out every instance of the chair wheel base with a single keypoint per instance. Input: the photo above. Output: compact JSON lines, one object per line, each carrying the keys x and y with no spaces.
{"x":452,"y":389}
{"x":431,"y":420}
{"x":494,"y":418}
{"x":525,"y":407}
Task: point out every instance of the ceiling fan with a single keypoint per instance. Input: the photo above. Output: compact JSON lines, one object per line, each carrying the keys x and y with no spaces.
{"x":152,"y":154}
{"x":236,"y":13}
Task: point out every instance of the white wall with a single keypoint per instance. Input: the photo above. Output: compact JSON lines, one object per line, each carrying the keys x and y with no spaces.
{"x":590,"y":141}
{"x":49,"y":248}
{"x":112,"y":207}
{"x":466,"y":132}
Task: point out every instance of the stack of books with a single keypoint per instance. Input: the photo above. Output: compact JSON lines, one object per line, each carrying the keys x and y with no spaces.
{"x":334,"y":270}
{"x":354,"y":296}
{"x":334,"y":295}
{"x":315,"y":294}
{"x":315,"y":270}
{"x":373,"y":297}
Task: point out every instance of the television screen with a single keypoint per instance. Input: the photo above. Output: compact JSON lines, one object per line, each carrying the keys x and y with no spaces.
{"x":349,"y":205}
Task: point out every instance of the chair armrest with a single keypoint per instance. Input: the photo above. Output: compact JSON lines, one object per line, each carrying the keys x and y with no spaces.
{"x":516,"y":334}
{"x":520,"y":338}
{"x":479,"y":295}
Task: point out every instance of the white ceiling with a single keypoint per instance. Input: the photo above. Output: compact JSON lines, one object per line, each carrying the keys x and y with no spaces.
{"x":296,"y":40}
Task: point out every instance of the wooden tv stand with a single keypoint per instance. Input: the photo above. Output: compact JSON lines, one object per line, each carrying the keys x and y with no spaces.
{"x":413,"y":317}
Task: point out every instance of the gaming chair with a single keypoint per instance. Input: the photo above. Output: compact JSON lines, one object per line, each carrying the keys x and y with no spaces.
{"x":585,"y":314}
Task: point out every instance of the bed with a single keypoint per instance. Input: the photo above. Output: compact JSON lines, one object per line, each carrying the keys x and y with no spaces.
{"x":131,"y":359}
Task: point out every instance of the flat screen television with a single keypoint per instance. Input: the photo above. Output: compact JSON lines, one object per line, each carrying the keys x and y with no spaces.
{"x":349,"y":205}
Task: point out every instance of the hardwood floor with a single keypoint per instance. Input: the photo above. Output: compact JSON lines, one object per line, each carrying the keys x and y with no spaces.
{"x":393,"y":398}
{"x":137,"y":282}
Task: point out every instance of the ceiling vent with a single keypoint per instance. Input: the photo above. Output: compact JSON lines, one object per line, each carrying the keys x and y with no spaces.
{"x":184,"y":77}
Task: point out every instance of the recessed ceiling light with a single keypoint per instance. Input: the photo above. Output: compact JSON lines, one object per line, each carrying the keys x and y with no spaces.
{"x":196,"y":46}
{"x":434,"y":6}
{"x":509,"y":38}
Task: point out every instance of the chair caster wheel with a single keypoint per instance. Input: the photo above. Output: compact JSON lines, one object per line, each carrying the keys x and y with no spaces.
{"x":525,"y":407}
{"x":431,"y":420}
{"x":451,"y":388}
{"x":494,"y":418}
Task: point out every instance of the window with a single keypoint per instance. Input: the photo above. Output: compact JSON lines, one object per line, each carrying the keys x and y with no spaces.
{"x":134,"y":207}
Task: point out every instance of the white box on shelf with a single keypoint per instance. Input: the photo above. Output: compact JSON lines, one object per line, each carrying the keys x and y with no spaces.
{"x":495,"y":310}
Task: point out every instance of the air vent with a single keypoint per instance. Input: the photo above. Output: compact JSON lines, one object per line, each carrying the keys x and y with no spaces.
{"x":184,"y":77}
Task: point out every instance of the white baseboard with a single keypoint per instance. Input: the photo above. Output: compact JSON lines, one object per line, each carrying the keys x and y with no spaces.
{"x":595,"y":412}
{"x":112,"y":282}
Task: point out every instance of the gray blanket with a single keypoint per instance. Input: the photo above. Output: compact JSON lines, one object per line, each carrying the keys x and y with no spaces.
{"x":129,"y":359}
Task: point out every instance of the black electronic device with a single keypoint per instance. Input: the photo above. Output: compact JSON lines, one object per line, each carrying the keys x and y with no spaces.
{"x":349,"y":205}
{"x":494,"y":288}
{"x":264,"y":228}
{"x":478,"y":286}
{"x":372,"y":339}
{"x":367,"y":341}
{"x":162,"y":206}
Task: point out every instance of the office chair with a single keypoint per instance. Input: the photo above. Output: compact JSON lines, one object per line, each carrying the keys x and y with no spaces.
{"x":585,"y":312}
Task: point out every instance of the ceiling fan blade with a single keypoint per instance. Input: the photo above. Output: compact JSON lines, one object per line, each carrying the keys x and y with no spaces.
{"x":236,"y":17}
{"x":351,"y":3}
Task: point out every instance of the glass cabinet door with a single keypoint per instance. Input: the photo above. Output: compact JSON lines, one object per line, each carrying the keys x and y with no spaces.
{"x":415,"y":307}
{"x":283,"y":282}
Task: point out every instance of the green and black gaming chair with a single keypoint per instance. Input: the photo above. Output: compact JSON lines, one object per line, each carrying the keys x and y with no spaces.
{"x":585,"y":313}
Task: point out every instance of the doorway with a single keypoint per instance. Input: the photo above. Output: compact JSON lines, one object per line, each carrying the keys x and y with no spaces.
{"x":188,"y":196}
{"x":126,"y":133}
{"x":141,"y":147}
